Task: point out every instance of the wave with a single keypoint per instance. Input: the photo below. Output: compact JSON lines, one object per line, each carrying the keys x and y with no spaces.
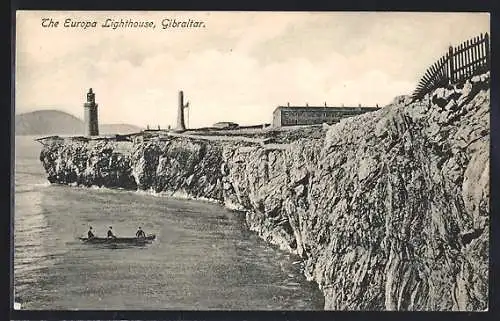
{"x":93,"y":187}
{"x":179,"y":194}
{"x":26,"y":172}
{"x":26,"y":188}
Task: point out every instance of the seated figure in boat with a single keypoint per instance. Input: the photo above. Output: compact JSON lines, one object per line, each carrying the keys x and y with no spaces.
{"x":140,"y":233}
{"x":90,"y":235}
{"x":110,"y":233}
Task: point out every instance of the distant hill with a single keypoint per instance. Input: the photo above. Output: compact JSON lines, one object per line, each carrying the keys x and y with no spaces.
{"x":106,"y":129}
{"x":55,"y":122}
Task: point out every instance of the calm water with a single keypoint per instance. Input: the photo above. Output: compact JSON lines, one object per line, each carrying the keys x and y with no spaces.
{"x":203,"y":258}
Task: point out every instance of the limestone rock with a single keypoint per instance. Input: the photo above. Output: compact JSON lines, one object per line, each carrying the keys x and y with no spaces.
{"x":389,"y":210}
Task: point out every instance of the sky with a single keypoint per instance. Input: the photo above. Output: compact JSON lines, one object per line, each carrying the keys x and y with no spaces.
{"x":239,"y":67}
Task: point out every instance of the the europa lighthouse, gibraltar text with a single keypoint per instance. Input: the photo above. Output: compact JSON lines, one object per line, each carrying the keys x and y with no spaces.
{"x":166,"y":23}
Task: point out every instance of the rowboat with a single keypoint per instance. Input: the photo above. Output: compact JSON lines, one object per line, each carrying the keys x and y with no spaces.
{"x":118,"y":240}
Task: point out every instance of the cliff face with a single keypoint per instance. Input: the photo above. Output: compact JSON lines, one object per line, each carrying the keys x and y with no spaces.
{"x":389,"y":210}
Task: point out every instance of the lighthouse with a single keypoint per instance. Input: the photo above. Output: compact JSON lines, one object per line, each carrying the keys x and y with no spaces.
{"x":90,"y":115}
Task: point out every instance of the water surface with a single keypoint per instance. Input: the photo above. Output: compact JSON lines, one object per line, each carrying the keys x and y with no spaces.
{"x":203,"y":258}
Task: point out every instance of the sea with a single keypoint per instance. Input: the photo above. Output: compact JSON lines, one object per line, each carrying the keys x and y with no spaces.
{"x":204,"y":256}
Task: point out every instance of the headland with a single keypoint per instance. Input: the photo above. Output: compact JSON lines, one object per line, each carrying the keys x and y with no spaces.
{"x":388,"y":210}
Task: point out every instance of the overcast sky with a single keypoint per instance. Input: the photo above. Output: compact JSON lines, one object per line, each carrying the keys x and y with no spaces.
{"x":238,"y":68}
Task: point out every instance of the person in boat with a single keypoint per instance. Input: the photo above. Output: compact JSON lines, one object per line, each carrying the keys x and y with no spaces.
{"x":140,"y":233}
{"x":90,"y":235}
{"x":110,"y":233}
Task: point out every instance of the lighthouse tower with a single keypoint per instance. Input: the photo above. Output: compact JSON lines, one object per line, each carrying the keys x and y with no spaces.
{"x":90,"y":115}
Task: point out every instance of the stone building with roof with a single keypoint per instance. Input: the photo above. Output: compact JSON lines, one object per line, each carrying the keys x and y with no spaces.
{"x":313,"y":115}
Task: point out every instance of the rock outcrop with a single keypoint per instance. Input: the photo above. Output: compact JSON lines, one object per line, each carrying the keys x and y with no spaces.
{"x":388,"y":210}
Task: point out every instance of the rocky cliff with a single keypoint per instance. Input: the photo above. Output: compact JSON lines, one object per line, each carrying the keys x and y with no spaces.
{"x":388,"y":210}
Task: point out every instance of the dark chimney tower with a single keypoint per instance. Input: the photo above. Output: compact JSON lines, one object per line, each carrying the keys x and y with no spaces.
{"x":90,"y":115}
{"x":180,"y":112}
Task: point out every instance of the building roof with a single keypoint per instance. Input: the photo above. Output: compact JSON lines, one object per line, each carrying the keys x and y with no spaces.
{"x":225,"y":123}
